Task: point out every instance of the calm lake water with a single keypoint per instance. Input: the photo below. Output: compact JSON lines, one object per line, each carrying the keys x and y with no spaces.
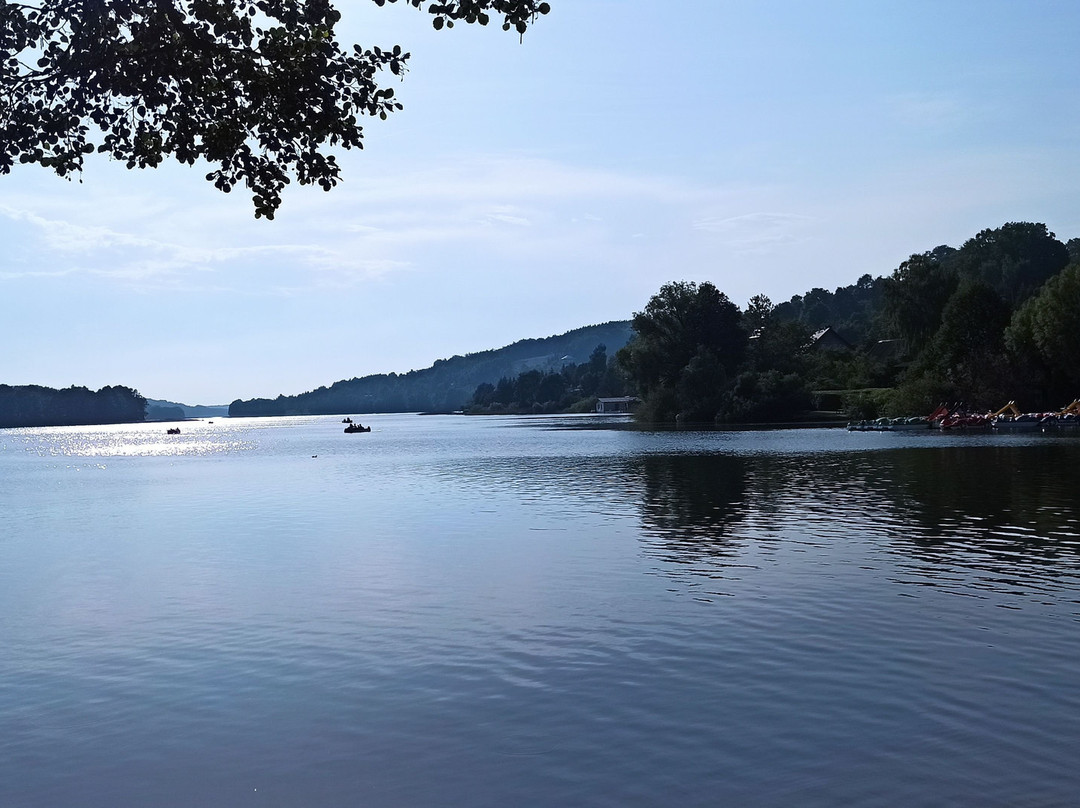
{"x":460,"y":611}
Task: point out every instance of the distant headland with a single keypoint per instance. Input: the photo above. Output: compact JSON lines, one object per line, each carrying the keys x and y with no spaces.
{"x":449,"y":384}
{"x":34,"y":405}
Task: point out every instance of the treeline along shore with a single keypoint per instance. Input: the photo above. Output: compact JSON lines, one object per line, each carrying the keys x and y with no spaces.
{"x":992,"y":321}
{"x":33,"y":405}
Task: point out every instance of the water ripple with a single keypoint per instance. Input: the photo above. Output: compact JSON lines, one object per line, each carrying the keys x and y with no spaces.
{"x":480,"y":613}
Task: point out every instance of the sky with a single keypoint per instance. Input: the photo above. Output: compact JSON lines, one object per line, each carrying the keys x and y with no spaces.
{"x":533,"y":186}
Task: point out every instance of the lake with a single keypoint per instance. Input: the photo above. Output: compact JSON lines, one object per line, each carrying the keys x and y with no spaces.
{"x":560,"y":611}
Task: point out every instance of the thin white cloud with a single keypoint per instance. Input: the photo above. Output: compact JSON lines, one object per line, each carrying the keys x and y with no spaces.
{"x":506,"y":216}
{"x":65,"y":236}
{"x":756,"y":231}
{"x":149,"y":263}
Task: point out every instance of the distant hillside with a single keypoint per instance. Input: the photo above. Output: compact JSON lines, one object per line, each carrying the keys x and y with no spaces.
{"x":449,"y":383}
{"x":158,"y":410}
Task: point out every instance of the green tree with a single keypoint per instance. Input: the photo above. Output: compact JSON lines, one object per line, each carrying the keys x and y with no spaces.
{"x":1045,"y":332}
{"x":33,"y":405}
{"x":765,"y":396}
{"x":484,"y":395}
{"x":915,"y":296}
{"x":968,"y":350}
{"x":780,"y":345}
{"x":1014,"y":259}
{"x":551,"y":390}
{"x":688,"y":341}
{"x":261,"y":90}
{"x":759,"y":311}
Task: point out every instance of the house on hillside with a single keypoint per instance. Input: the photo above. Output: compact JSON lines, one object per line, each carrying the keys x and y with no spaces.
{"x":828,"y":340}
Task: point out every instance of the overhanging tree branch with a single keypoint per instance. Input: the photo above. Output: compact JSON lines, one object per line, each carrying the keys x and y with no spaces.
{"x":258,"y":89}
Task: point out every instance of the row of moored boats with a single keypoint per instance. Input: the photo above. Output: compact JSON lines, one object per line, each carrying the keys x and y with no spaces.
{"x":957,"y":418}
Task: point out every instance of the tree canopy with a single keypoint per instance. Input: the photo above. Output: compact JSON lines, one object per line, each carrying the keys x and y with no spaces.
{"x":688,"y":340}
{"x":34,"y":405}
{"x":1014,"y":259}
{"x":994,"y":320}
{"x":1046,"y":331}
{"x":261,"y":90}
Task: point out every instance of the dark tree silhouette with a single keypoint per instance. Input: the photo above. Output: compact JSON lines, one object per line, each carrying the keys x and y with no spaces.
{"x":33,"y":405}
{"x":688,"y":341}
{"x":258,"y":89}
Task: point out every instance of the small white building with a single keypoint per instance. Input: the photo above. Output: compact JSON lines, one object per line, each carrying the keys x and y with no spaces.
{"x":619,"y":404}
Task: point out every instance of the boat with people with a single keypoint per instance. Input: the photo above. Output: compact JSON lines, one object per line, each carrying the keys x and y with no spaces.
{"x":356,"y":428}
{"x":172,"y":430}
{"x":346,"y":420}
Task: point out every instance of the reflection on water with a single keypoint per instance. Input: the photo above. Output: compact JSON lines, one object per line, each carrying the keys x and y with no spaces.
{"x":690,"y":503}
{"x":694,"y":496}
{"x":1005,"y":516}
{"x":1022,"y":500}
{"x":967,"y":518}
{"x":492,"y":612}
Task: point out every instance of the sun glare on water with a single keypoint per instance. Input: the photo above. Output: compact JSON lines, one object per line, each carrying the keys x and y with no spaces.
{"x":196,"y":438}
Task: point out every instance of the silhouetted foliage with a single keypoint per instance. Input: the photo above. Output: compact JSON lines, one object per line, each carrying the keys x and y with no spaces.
{"x":574,"y":387}
{"x":953,"y":306}
{"x":967,"y":353}
{"x":33,"y":405}
{"x":916,"y":294}
{"x":935,"y":329}
{"x":1044,"y":336}
{"x":259,"y":89}
{"x":852,"y":311}
{"x":765,"y":396}
{"x":688,"y":341}
{"x":775,"y":343}
{"x":1014,"y":260}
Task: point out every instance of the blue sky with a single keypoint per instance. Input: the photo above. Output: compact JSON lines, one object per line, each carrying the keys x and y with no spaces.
{"x":532,"y":187}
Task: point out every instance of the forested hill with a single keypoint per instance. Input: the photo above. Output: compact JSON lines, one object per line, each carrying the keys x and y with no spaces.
{"x":34,"y":405}
{"x":449,"y":383}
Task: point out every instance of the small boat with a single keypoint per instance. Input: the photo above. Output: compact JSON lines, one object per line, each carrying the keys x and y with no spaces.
{"x":1067,"y":418}
{"x":346,"y":420}
{"x":1025,"y":422}
{"x":1068,"y":421}
{"x":356,"y":428}
{"x":910,"y":422}
{"x":877,"y":425}
{"x":890,"y":424}
{"x":966,"y":422}
{"x":172,"y":430}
